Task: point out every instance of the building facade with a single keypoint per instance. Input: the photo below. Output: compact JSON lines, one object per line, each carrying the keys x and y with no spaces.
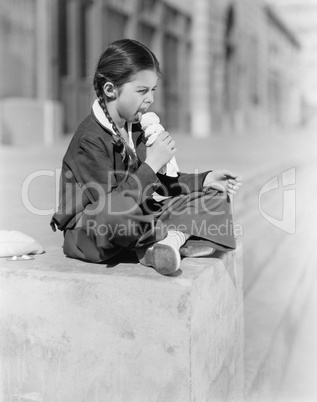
{"x":214,"y":54}
{"x":283,"y":82}
{"x":86,"y":28}
{"x":301,"y":16}
{"x":17,"y":48}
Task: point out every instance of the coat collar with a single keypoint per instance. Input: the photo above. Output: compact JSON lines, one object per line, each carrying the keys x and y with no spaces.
{"x":102,"y":119}
{"x":134,"y":130}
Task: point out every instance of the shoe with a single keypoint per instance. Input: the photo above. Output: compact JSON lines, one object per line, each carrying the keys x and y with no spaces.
{"x":164,"y":255}
{"x":194,"y":251}
{"x":165,"y":259}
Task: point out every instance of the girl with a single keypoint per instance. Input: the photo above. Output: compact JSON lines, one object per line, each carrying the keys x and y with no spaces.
{"x":110,"y":178}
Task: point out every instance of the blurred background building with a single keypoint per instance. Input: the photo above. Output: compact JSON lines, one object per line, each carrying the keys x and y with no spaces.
{"x":301,"y":16}
{"x":230,"y":66}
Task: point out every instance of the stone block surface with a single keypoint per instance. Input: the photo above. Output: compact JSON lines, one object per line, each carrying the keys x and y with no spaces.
{"x":73,"y":331}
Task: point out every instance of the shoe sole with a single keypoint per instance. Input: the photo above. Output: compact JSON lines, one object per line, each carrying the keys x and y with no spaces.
{"x":163,"y":258}
{"x":196,"y":251}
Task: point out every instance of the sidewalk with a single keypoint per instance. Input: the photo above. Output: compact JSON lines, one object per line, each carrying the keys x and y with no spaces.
{"x":299,"y":384}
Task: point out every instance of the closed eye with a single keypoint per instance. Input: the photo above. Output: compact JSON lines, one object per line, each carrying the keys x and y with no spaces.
{"x":145,"y":90}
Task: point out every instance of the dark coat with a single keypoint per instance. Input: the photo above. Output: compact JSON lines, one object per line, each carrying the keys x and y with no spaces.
{"x":93,"y":166}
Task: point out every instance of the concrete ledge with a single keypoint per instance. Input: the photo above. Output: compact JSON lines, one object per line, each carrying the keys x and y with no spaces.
{"x":83,"y":332}
{"x":25,"y":121}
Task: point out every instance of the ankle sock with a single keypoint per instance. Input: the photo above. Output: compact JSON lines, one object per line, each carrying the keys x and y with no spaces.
{"x":175,"y":239}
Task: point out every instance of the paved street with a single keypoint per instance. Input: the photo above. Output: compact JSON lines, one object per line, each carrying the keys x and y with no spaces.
{"x":300,"y":379}
{"x":30,"y":174}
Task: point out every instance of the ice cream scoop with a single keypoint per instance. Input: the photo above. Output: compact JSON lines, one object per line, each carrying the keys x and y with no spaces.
{"x":150,"y":123}
{"x":152,"y":128}
{"x":148,"y":119}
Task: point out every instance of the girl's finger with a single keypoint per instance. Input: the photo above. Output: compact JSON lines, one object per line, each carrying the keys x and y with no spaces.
{"x":217,"y":186}
{"x":235,"y":182}
{"x":228,"y":173}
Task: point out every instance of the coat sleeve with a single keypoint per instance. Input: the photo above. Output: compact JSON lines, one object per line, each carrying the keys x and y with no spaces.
{"x":185,"y":183}
{"x":97,"y":173}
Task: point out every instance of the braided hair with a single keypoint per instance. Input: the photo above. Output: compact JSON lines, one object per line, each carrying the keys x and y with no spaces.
{"x":118,"y":64}
{"x":118,"y":140}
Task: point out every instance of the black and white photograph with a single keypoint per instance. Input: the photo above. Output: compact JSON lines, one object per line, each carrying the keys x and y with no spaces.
{"x":158,"y":215}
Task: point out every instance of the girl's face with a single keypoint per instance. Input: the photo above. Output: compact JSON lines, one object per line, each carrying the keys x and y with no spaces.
{"x":136,"y":96}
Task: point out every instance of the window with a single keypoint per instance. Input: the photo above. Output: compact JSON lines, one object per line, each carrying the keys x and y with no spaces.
{"x":116,"y":25}
{"x":145,"y":34}
{"x":62,"y":37}
{"x":83,"y":38}
{"x":147,"y":6}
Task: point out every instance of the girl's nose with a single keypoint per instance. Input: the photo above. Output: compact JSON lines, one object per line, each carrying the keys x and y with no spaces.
{"x":149,"y":98}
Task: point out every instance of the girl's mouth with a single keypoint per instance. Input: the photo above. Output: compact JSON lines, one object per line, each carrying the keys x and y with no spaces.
{"x":140,"y":113}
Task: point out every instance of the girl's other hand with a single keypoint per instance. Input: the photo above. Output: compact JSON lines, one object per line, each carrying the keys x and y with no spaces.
{"x":160,"y":152}
{"x":223,"y":180}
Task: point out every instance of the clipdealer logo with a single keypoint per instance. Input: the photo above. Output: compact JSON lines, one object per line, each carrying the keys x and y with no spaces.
{"x":288,"y":221}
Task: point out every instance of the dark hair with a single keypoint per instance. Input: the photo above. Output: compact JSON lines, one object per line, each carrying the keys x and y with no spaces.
{"x":118,"y":64}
